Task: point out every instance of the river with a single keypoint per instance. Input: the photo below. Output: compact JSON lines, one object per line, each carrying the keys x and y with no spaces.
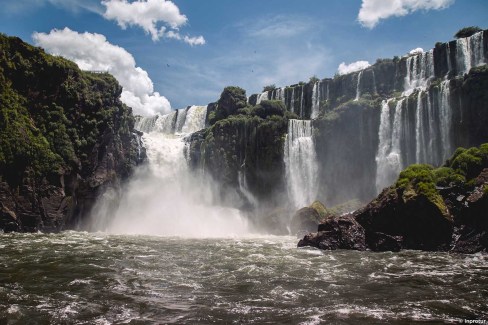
{"x":97,"y":278}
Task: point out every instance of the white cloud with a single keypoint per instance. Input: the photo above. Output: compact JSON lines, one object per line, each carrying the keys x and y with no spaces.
{"x":352,"y":67}
{"x":149,"y":14}
{"x":278,"y":26}
{"x":70,"y":5}
{"x":94,"y":52}
{"x":418,"y":50}
{"x":187,"y":39}
{"x":372,"y":11}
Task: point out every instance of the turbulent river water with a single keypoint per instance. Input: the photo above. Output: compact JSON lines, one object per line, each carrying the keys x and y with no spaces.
{"x":96,"y":278}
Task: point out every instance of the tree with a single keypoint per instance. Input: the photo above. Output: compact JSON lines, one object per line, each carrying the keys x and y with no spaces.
{"x":467,"y":31}
{"x":269,"y":88}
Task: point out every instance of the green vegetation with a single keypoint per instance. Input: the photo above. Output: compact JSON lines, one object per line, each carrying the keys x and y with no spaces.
{"x":321,"y":210}
{"x":461,"y":169}
{"x":467,"y":31}
{"x":52,"y":114}
{"x":313,"y":80}
{"x":469,"y":162}
{"x":268,"y":108}
{"x":269,"y":88}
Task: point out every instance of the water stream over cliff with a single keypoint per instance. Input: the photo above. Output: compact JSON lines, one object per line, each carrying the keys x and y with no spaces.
{"x":431,"y":139}
{"x":301,"y":163}
{"x":166,"y":197}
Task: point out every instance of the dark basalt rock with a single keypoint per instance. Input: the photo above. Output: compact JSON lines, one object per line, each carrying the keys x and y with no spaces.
{"x":76,"y":139}
{"x":342,"y":232}
{"x":414,"y":217}
{"x":380,"y":242}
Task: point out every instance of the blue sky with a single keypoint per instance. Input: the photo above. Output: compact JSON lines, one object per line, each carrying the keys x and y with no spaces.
{"x":247,"y":43}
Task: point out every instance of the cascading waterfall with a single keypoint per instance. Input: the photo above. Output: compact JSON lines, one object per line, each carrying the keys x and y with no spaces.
{"x":195,"y":119}
{"x":292,"y":101}
{"x":164,"y":196}
{"x":469,"y":53}
{"x":358,"y":90}
{"x":302,"y":111}
{"x":420,"y":70}
{"x":301,"y":163}
{"x":445,"y":119}
{"x":261,"y":97}
{"x":316,"y":94}
{"x":375,"y":90}
{"x":388,"y":158}
{"x":180,"y":120}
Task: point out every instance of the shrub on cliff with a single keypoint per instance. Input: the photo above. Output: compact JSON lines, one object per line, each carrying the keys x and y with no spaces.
{"x":467,"y":31}
{"x":268,"y":108}
{"x":269,"y":87}
{"x":469,"y":162}
{"x":231,"y":101}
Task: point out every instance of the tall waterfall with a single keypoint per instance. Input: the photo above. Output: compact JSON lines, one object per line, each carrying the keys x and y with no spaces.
{"x":469,"y":53}
{"x":165,"y":197}
{"x":358,"y":89}
{"x":420,"y":70}
{"x":301,"y":163}
{"x":388,"y":158}
{"x":315,"y":100}
{"x":261,"y":97}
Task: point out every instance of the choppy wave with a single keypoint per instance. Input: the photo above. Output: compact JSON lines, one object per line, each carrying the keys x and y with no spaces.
{"x":95,"y":278}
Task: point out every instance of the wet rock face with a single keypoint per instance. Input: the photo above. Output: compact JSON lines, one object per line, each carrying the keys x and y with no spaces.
{"x":342,"y":232}
{"x":417,"y":220}
{"x":76,"y":138}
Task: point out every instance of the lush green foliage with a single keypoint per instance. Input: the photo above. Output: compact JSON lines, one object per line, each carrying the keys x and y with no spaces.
{"x":469,"y":162}
{"x":467,"y":31}
{"x":269,"y":87}
{"x":52,"y":114}
{"x":460,"y":169}
{"x":268,"y":108}
{"x":313,"y":80}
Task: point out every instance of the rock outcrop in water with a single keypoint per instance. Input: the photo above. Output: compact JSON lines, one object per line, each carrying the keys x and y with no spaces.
{"x":64,"y":137}
{"x":427,"y":209}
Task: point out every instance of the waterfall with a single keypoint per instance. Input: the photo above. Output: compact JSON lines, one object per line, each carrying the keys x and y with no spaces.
{"x":146,"y":124}
{"x":195,"y":119}
{"x":358,"y":90}
{"x":445,"y":118}
{"x":301,"y":163}
{"x":164,"y":197}
{"x":375,"y":91}
{"x":165,"y":123}
{"x":278,"y":94}
{"x":244,"y":189}
{"x":388,"y":157}
{"x":420,"y":70}
{"x":302,"y":112}
{"x":315,"y":100}
{"x":469,"y":53}
{"x":261,"y":97}
{"x":180,"y":120}
{"x":292,"y":102}
{"x":419,"y":131}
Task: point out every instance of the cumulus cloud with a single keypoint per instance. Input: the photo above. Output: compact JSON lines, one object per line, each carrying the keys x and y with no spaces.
{"x":372,"y":11}
{"x":150,"y":15}
{"x":352,"y":67}
{"x":418,"y":50}
{"x":94,"y":52}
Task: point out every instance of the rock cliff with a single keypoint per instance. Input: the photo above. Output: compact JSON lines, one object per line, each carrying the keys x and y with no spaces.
{"x":64,"y":136}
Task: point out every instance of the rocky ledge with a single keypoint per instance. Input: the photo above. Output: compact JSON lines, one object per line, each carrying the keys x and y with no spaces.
{"x":443,"y":209}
